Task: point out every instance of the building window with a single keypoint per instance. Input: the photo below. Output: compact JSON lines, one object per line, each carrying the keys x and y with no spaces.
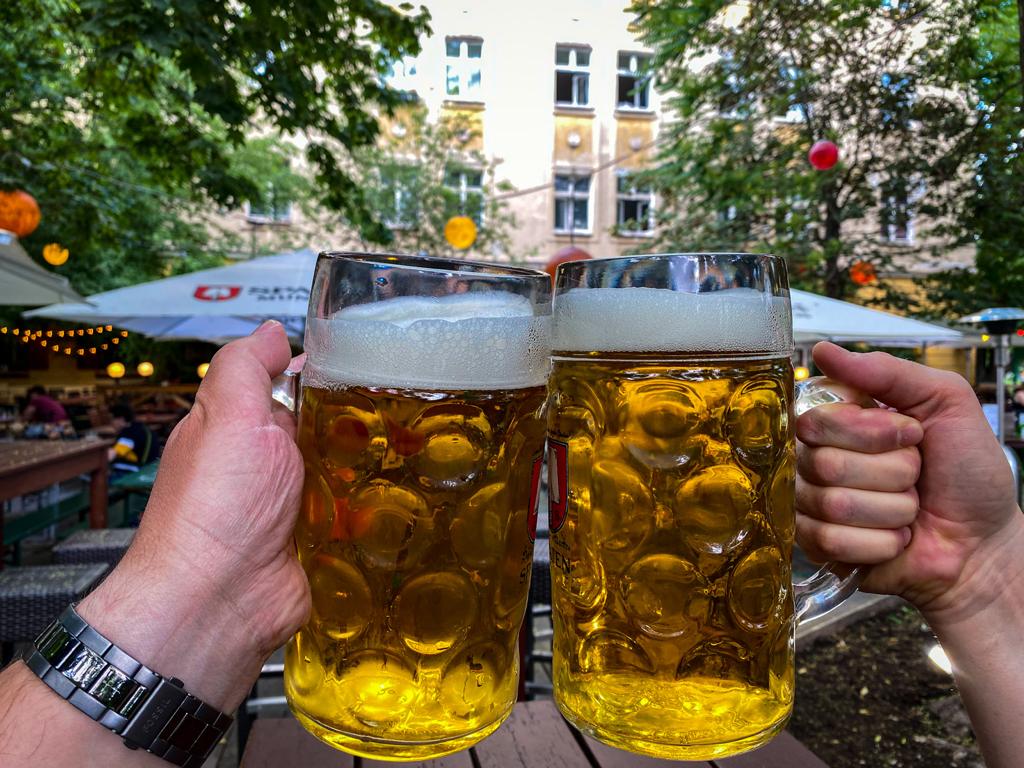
{"x":634,"y":81}
{"x":464,"y":190}
{"x":897,"y":216}
{"x":273,"y":208}
{"x":634,"y":207}
{"x":791,"y":84}
{"x":398,"y":206}
{"x":572,"y":76}
{"x":401,"y":75}
{"x":462,"y":67}
{"x":572,"y":204}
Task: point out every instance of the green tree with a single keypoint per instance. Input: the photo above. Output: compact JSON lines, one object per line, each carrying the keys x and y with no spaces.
{"x":754,"y":85}
{"x":982,"y":48}
{"x":128,"y":121}
{"x":428,"y":174}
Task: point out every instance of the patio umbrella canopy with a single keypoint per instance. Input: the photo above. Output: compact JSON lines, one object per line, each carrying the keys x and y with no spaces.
{"x":227,"y":302}
{"x":210,"y":305}
{"x":24,"y":283}
{"x":818,"y":318}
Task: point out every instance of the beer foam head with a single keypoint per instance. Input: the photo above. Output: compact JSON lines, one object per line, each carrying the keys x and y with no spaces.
{"x":461,"y":341}
{"x":737,"y":320}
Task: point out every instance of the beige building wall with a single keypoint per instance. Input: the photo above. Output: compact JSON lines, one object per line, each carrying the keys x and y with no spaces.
{"x":521,"y":129}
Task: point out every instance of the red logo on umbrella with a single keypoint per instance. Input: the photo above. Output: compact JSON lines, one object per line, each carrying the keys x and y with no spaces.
{"x":217,"y":292}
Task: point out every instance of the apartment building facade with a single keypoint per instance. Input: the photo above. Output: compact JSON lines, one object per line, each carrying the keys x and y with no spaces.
{"x":560,"y":102}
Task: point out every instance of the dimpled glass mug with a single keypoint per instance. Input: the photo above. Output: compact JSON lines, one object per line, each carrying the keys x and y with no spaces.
{"x":671,"y":496}
{"x":421,"y":430}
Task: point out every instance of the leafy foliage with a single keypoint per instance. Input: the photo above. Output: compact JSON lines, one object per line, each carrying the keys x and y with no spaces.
{"x":754,"y":85}
{"x":128,"y":121}
{"x":986,"y":210}
{"x":429,"y":174}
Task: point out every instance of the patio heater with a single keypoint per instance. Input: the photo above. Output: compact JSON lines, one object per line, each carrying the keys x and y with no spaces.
{"x":1000,"y":323}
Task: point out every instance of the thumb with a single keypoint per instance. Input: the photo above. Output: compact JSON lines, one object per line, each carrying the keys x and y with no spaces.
{"x":911,"y":388}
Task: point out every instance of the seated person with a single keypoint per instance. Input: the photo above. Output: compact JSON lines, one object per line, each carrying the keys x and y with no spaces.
{"x":42,"y":408}
{"x":135,"y":446}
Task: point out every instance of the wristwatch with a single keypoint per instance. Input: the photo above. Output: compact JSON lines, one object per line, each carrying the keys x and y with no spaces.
{"x":149,"y":711}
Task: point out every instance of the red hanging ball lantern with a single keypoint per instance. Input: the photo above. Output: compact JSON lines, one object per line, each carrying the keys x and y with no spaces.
{"x":823,"y":155}
{"x":19,"y":212}
{"x":569,"y":253}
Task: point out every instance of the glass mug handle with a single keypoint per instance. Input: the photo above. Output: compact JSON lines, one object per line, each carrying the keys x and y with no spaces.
{"x":284,"y":389}
{"x":833,"y":582}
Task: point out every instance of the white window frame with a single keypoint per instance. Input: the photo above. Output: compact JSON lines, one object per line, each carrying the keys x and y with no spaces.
{"x":633,"y":70}
{"x":403,"y":197}
{"x":274,"y":217}
{"x":572,"y":196}
{"x":577,"y":72}
{"x":794,"y":115}
{"x":463,"y":68}
{"x":631,"y":195}
{"x":890,"y":237}
{"x":464,"y":188}
{"x":403,"y":74}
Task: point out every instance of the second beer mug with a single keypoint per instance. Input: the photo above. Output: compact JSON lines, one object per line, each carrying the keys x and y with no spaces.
{"x":421,"y":433}
{"x":671,"y":458}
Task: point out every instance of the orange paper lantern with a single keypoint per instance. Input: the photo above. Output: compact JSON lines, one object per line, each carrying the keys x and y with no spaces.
{"x":19,"y":212}
{"x":863,"y":273}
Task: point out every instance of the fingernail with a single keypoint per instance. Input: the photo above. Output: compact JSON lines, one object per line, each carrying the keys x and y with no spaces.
{"x":265,"y":326}
{"x":907,"y":536}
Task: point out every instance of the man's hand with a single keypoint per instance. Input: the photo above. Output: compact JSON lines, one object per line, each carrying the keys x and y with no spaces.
{"x":211,"y":586}
{"x":933,"y":525}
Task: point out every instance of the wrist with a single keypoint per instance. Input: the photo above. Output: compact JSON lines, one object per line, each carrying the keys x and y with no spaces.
{"x":178,"y":627}
{"x":991,"y":588}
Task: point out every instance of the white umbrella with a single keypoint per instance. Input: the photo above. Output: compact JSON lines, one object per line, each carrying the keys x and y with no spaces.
{"x":211,"y":304}
{"x":817,"y":318}
{"x":228,"y":302}
{"x":23,"y":282}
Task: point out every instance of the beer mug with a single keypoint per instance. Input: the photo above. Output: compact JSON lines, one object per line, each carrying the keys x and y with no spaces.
{"x":671,"y":489}
{"x":421,"y":430}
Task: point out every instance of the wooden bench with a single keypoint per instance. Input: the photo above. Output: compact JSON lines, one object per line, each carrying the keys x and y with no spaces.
{"x":535,"y":736}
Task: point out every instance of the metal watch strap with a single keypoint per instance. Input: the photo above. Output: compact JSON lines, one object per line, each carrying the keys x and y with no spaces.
{"x":151,"y":712}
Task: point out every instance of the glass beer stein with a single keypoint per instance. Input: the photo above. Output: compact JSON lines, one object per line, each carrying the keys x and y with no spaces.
{"x":420,"y":426}
{"x":671,"y":491}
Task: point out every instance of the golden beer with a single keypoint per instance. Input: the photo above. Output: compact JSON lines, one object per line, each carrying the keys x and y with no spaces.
{"x":421,"y":432}
{"x":415,"y":536}
{"x":671,"y":571}
{"x":671,"y":486}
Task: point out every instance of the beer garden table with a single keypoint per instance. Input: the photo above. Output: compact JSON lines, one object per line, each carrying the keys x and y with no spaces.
{"x":535,"y":736}
{"x":27,"y":466}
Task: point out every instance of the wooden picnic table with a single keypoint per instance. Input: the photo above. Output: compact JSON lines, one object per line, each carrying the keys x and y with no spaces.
{"x":27,"y":466}
{"x":535,"y":736}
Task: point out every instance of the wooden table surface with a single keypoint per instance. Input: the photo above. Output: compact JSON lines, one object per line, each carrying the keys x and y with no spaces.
{"x":27,"y":466}
{"x":535,"y":736}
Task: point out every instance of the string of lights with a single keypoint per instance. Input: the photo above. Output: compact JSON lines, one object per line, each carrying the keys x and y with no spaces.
{"x":58,"y":341}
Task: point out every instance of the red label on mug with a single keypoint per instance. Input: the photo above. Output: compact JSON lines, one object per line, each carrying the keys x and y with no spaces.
{"x":531,"y":519}
{"x":558,"y":483}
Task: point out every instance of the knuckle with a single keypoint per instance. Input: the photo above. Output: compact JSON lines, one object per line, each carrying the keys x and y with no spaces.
{"x":829,"y":464}
{"x":836,"y":505}
{"x":831,"y":540}
{"x":810,"y":427}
